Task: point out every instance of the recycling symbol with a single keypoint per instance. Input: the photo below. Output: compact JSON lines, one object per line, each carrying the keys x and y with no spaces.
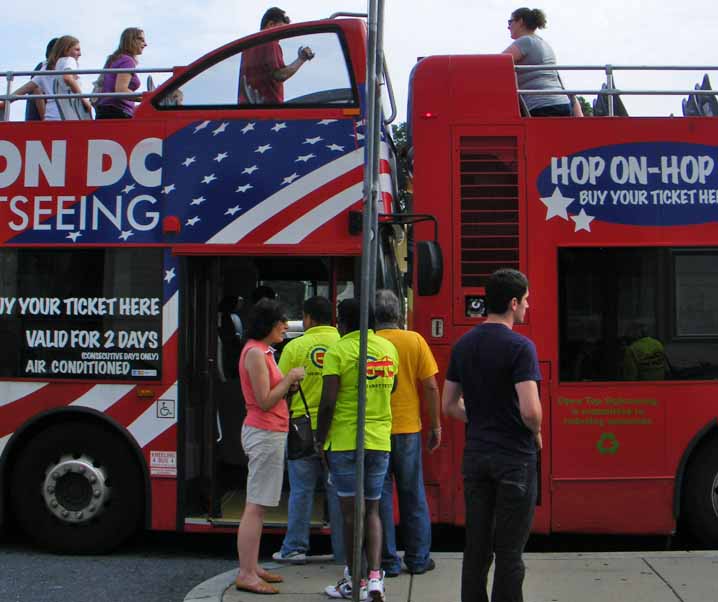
{"x":607,"y":444}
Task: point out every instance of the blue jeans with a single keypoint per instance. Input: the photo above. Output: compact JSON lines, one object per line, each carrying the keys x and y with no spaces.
{"x":500,"y":497}
{"x":303,"y":476}
{"x":342,"y":467}
{"x":405,"y":467}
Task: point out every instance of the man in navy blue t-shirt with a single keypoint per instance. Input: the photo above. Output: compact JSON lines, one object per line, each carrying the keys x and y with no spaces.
{"x":497,"y":372}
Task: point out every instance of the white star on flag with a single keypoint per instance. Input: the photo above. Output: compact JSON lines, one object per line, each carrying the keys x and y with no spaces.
{"x":128,"y":188}
{"x":201,"y":126}
{"x":305,"y":158}
{"x":210,"y":178}
{"x":556,"y":204}
{"x":247,"y":128}
{"x":262,"y":149}
{"x":169,"y":275}
{"x":335,"y":147}
{"x":583,"y":221}
{"x":125,"y":234}
{"x":168,"y":189}
{"x":221,"y":128}
{"x":279,"y":126}
{"x":250,"y":170}
{"x":326,"y":121}
{"x":192,"y":221}
{"x":198,"y":201}
{"x":360,"y":136}
{"x":312,"y":140}
{"x":188,"y":161}
{"x":73,"y":236}
{"x":290,"y":179}
{"x":244,"y":188}
{"x":232,"y":210}
{"x":221,"y":157}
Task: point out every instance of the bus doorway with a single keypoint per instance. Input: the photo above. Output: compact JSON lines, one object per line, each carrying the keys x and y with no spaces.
{"x":212,"y":460}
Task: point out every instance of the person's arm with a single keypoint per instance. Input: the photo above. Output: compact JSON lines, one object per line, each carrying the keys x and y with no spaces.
{"x":40,"y":106}
{"x":452,"y":404}
{"x":282,"y":74}
{"x":576,"y":109}
{"x":71,"y":81}
{"x":327,"y":404}
{"x":258,"y":373}
{"x":122,"y":84}
{"x":530,"y":407}
{"x":431,"y":396}
{"x":28,"y":88}
{"x":515,"y":52}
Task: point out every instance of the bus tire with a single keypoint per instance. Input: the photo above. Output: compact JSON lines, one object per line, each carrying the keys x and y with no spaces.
{"x":77,"y":489}
{"x":700,"y":496}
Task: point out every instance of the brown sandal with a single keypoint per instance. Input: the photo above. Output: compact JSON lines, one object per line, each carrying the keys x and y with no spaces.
{"x":261,"y":587}
{"x":270,"y":577}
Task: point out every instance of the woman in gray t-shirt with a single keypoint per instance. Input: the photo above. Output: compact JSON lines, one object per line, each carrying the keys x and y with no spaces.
{"x":530,"y":49}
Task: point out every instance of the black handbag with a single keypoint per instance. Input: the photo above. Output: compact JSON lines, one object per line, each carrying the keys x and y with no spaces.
{"x":300,"y":439}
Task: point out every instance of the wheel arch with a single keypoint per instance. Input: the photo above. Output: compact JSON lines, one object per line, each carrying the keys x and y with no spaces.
{"x":707,"y":431}
{"x":74,"y":415}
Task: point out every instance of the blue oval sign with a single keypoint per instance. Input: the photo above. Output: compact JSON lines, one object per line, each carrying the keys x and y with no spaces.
{"x":641,"y":184}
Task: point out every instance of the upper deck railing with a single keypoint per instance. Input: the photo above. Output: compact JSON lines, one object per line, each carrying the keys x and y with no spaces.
{"x":610,"y":91}
{"x":10,"y":77}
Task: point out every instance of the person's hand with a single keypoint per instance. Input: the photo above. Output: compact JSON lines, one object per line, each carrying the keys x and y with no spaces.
{"x":434,"y":440}
{"x":87,"y":104}
{"x":296,"y":374}
{"x":539,"y":441}
{"x":305,"y":53}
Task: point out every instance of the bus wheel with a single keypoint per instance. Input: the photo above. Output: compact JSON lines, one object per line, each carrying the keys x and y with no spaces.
{"x":77,"y":489}
{"x":700,"y":496}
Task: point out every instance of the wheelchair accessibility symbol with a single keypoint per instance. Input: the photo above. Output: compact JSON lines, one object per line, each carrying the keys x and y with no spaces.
{"x":166,"y":408}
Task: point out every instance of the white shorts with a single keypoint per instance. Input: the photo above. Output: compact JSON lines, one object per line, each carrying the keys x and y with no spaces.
{"x":265,"y":450}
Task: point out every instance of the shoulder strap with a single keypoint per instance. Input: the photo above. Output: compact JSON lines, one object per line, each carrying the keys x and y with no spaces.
{"x":304,"y":400}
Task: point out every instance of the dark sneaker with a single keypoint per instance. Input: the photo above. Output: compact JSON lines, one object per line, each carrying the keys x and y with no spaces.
{"x":429,"y":566}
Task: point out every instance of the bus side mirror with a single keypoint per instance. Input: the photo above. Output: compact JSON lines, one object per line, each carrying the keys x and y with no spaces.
{"x":430,"y":267}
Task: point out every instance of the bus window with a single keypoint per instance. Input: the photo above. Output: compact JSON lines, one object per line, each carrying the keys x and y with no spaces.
{"x":94,"y":314}
{"x":237,"y":81}
{"x":638,"y":314}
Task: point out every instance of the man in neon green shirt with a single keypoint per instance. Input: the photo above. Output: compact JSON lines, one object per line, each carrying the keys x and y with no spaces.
{"x":308,"y":352}
{"x":337,"y":431}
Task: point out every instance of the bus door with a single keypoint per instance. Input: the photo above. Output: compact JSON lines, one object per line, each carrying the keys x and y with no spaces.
{"x":197,"y":369}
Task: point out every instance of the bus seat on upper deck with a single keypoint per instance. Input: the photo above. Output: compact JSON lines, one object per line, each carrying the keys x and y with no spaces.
{"x":600,"y":105}
{"x":708,"y":104}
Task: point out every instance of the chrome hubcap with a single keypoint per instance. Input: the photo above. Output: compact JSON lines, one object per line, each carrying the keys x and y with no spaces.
{"x":75,"y":490}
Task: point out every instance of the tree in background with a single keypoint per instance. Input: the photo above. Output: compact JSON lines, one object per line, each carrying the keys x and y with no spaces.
{"x":401,"y":142}
{"x":585,"y":106}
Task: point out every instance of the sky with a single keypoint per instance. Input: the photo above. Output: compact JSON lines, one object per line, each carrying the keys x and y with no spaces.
{"x":619,"y":32}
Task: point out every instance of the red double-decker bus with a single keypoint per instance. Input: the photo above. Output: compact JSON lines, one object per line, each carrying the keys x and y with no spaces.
{"x":118,"y":241}
{"x":615,"y":222}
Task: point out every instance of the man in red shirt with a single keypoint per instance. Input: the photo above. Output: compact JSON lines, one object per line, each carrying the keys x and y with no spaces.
{"x":263,"y":72}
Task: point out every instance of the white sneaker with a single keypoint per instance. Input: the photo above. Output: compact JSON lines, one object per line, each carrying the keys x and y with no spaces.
{"x":343,"y":589}
{"x":292,"y":558}
{"x":376,"y":589}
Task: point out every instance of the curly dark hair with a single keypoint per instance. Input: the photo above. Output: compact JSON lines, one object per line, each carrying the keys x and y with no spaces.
{"x":263,"y":317}
{"x":533,"y":18}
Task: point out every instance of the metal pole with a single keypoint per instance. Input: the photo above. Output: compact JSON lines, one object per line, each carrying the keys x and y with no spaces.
{"x":368,"y":276}
{"x":6,"y":110}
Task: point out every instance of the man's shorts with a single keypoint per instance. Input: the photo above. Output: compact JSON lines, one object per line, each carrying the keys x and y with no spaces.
{"x":342,"y":469}
{"x":265,"y":450}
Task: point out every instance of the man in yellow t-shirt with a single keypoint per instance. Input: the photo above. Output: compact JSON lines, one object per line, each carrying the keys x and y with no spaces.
{"x":337,"y":432}
{"x":308,"y":352}
{"x":418,"y":376}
